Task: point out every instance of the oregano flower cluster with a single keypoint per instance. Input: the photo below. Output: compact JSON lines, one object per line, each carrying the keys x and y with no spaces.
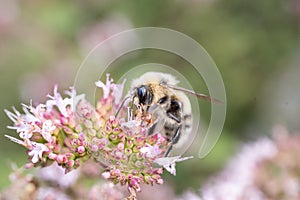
{"x":70,"y":131}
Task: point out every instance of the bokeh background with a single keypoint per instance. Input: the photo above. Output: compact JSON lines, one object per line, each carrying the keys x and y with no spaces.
{"x":255,"y":45}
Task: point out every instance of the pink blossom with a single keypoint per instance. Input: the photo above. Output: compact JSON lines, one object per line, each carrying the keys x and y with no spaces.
{"x":105,"y":191}
{"x":80,"y":149}
{"x":51,"y":193}
{"x":26,"y":129}
{"x":236,"y":181}
{"x":36,"y":151}
{"x":59,"y":102}
{"x":70,"y":131}
{"x":106,"y":175}
{"x":14,"y":117}
{"x":55,"y":174}
{"x":34,"y":114}
{"x":75,"y":99}
{"x":151,"y":151}
{"x":105,"y":87}
{"x":47,"y":129}
{"x":118,"y":92}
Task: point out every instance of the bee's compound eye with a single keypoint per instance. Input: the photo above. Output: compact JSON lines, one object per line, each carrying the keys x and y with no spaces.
{"x":142,"y":94}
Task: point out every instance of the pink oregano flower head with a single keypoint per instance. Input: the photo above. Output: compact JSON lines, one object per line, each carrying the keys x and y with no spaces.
{"x":70,"y":130}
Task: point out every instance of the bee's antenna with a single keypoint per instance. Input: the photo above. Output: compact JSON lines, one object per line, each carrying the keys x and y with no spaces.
{"x":201,"y":96}
{"x":121,"y":105}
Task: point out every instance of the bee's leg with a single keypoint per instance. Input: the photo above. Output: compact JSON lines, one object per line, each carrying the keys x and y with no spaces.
{"x":174,"y":140}
{"x":168,"y":150}
{"x":152,"y":129}
{"x":172,"y":116}
{"x":177,"y":135}
{"x":153,"y":108}
{"x":121,"y":105}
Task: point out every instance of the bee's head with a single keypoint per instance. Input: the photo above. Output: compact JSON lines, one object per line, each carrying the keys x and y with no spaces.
{"x":144,"y":95}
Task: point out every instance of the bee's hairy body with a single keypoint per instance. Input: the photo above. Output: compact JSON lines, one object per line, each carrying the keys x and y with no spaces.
{"x":171,"y":108}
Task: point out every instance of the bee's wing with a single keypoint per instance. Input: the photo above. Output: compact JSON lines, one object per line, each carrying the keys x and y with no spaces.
{"x":198,"y":95}
{"x":157,"y":126}
{"x":159,"y":120}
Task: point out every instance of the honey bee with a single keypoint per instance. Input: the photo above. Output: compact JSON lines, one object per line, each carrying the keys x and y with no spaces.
{"x":158,"y":94}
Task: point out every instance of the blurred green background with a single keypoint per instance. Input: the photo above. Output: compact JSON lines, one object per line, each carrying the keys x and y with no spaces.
{"x":255,"y":45}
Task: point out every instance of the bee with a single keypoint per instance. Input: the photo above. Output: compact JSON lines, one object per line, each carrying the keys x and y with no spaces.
{"x":158,"y":94}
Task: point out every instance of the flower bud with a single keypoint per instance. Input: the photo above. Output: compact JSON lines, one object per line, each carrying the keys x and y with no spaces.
{"x":80,"y":149}
{"x":106,"y":175}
